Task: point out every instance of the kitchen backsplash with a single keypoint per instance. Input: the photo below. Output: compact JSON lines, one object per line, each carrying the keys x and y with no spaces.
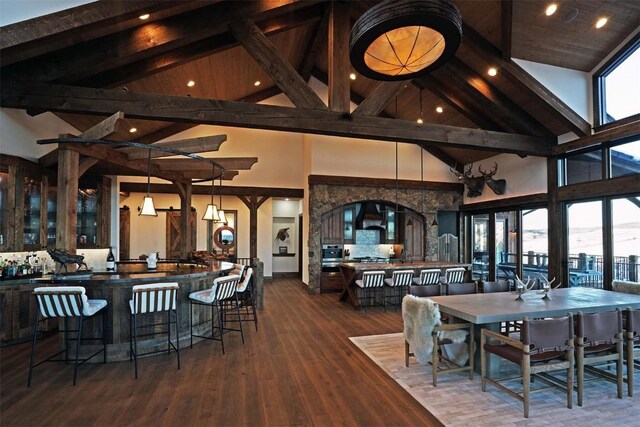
{"x":379,"y":251}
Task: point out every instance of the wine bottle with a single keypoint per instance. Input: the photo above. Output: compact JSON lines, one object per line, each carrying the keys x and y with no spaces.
{"x":111,"y":261}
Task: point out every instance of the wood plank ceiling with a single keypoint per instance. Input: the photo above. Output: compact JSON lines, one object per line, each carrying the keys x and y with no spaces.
{"x":193,"y":42}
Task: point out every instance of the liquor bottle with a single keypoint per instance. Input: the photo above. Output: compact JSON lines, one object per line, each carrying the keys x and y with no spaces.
{"x":111,"y":261}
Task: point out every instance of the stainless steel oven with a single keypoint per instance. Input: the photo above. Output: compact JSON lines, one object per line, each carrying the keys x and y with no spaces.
{"x":331,"y":252}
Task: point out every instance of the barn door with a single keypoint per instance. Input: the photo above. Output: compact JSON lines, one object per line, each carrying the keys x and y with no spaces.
{"x":173,"y":234}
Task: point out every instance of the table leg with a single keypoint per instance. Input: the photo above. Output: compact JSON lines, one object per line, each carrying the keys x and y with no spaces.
{"x":493,"y":363}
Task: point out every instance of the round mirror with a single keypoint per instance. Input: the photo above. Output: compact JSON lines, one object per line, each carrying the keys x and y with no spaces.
{"x":224,"y":237}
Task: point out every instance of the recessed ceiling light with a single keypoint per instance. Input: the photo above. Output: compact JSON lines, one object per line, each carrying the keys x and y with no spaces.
{"x":352,"y":76}
{"x":133,"y":130}
{"x":256,"y":83}
{"x":601,"y":22}
{"x":419,"y":121}
{"x":492,"y":72}
{"x":551,"y":9}
{"x":191,"y":83}
{"x":144,"y":17}
{"x":439,"y":109}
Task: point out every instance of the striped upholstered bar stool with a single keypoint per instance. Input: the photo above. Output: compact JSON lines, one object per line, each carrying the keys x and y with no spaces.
{"x":67,"y":302}
{"x":147,"y":301}
{"x":399,"y":283}
{"x":454,"y":275}
{"x":373,"y":281}
{"x":428,"y":277}
{"x":246,"y":298}
{"x":221,"y":297}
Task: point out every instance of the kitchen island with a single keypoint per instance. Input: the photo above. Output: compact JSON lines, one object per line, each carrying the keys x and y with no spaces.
{"x":19,"y":308}
{"x":351,"y":271}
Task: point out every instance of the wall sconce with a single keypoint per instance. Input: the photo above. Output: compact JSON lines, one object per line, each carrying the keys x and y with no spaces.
{"x":147,"y":204}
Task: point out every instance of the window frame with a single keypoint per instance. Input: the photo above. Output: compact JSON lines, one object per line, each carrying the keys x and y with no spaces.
{"x":599,"y":76}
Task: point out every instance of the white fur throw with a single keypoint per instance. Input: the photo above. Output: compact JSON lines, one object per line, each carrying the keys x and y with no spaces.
{"x":628,"y":287}
{"x":420,"y":316}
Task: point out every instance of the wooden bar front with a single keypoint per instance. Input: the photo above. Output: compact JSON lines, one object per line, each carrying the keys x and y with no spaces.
{"x":351,"y":271}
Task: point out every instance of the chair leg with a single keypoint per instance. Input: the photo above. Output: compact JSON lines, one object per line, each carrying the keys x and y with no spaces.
{"x":220,"y":324}
{"x":130,"y":337}
{"x":570,"y":379}
{"x":580,"y":370}
{"x":66,"y":340}
{"x":33,"y":346}
{"x":406,"y":354}
{"x":526,"y":384}
{"x":168,"y":332}
{"x":619,"y":368}
{"x":253,"y":308}
{"x":630,"y":367}
{"x":79,"y":336}
{"x":471,"y":352}
{"x":177,"y":335}
{"x":434,"y":359}
{"x":135,"y":344}
{"x":364,"y":300}
{"x":191,"y":321}
{"x":483,"y":362}
{"x":104,"y":336}
{"x":239,"y":320}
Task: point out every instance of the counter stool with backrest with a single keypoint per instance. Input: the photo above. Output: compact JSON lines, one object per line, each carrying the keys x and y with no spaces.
{"x":67,"y":302}
{"x":454,"y":275}
{"x":372,"y":281}
{"x":146,"y":302}
{"x":399,"y":283}
{"x":246,"y":299}
{"x":428,"y":277}
{"x":219,"y":298}
{"x":598,"y":341}
{"x":632,"y":336}
{"x":544,"y":346}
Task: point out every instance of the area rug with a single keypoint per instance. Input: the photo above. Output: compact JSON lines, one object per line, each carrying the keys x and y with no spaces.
{"x":457,"y":401}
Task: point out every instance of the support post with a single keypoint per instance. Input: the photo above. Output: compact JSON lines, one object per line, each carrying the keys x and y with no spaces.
{"x":67,"y":200}
{"x":253,"y":202}
{"x":186,"y":227}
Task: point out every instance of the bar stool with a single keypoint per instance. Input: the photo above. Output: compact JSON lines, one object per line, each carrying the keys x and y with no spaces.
{"x":373,"y":280}
{"x":148,"y":300}
{"x":428,"y":277}
{"x":247,"y":298}
{"x":399,"y":282}
{"x":217,"y":297}
{"x":66,"y":302}
{"x":454,"y":275}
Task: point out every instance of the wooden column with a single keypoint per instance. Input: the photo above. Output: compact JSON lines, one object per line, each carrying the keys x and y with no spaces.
{"x":184,"y":190}
{"x":339,"y":66}
{"x":67,"y":199}
{"x":253,"y":202}
{"x":557,"y":254}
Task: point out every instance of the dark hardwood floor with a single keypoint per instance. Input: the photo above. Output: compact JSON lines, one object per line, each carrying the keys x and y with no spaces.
{"x":298,"y":369}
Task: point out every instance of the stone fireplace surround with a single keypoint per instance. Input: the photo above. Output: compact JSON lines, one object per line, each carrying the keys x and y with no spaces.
{"x":326,"y":197}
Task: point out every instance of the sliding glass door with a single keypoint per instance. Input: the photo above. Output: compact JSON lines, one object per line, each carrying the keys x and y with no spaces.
{"x":535,"y":244}
{"x":480,"y":252}
{"x":625,"y":222}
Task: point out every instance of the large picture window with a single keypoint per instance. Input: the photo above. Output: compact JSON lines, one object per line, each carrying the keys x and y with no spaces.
{"x":617,"y":85}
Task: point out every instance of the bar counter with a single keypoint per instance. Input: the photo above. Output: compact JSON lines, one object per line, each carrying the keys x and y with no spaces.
{"x":18,"y":307}
{"x":351,"y":271}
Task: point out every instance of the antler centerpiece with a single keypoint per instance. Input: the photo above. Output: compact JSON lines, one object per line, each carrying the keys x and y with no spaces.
{"x":522,"y":288}
{"x":547,"y":287}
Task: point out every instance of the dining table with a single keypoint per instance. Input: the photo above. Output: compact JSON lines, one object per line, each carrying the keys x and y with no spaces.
{"x":490,"y":310}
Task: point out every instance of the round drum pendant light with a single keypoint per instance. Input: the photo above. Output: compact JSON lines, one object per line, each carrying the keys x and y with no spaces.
{"x":402,"y":39}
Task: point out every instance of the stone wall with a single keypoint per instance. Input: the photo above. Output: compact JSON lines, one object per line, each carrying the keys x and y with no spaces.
{"x":324,"y":198}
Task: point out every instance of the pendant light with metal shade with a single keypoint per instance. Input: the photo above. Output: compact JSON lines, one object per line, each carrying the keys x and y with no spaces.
{"x":211,"y":213}
{"x":147,"y":204}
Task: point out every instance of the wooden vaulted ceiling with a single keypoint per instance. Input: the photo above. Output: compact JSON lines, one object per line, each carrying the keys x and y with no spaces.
{"x":104,"y":45}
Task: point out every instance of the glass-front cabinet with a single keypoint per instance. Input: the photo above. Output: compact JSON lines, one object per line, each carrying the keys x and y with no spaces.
{"x":32,"y":197}
{"x":87,"y":217}
{"x":4,"y":207}
{"x":349,"y":217}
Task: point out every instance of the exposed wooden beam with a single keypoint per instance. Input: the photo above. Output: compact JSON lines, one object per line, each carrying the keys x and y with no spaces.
{"x":280,"y":71}
{"x":611,"y":134}
{"x":227,"y":190}
{"x":230,"y":113}
{"x":109,"y":126}
{"x":86,"y":164}
{"x":524,"y":80}
{"x":103,"y":168}
{"x":379,"y":97}
{"x":506,"y":21}
{"x":500,"y":107}
{"x":285,"y":18}
{"x":442,"y":91}
{"x":231,"y":163}
{"x":47,"y":33}
{"x":339,"y":65}
{"x":164,"y":132}
{"x":201,"y":144}
{"x":620,"y":186}
{"x":317,"y":41}
{"x":384,"y":183}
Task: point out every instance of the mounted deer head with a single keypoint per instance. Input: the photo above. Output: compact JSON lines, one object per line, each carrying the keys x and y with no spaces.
{"x":498,"y":186}
{"x":475,"y":184}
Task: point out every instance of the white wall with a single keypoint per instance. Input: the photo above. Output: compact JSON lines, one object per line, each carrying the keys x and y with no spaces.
{"x":524,"y":176}
{"x":285,"y":215}
{"x":19,"y":132}
{"x":573,"y":87}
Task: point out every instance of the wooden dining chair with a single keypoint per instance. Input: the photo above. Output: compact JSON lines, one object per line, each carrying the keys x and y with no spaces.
{"x":632,"y":343}
{"x":462,"y":288}
{"x":545,"y":345}
{"x":492,"y":287}
{"x":599,"y":341}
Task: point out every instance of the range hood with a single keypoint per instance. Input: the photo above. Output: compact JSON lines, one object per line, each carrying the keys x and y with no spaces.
{"x":370,"y":218}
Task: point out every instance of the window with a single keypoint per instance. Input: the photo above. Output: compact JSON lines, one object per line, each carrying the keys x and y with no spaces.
{"x":583,"y":167}
{"x":625,"y":158}
{"x":617,"y":85}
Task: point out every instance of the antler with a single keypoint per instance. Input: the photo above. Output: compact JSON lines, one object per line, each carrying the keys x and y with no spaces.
{"x":548,"y":283}
{"x":493,"y":171}
{"x":525,"y":285}
{"x":468,"y":171}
